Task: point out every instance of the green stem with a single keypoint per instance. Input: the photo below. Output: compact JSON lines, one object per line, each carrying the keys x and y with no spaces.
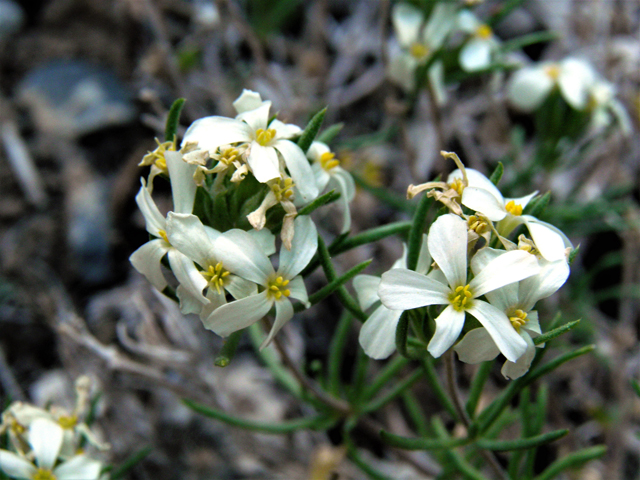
{"x":394,"y":392}
{"x":336,"y":350}
{"x":572,"y":460}
{"x":390,"y":370}
{"x":432,"y":377}
{"x":477,"y":385}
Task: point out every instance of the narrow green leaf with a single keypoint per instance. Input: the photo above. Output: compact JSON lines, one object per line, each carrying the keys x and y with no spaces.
{"x":555,"y":332}
{"x":417,"y":231}
{"x":390,"y":370}
{"x":319,"y":422}
{"x":526,"y":40}
{"x":324,"y":199}
{"x":460,"y":463}
{"x":173,"y":120}
{"x":133,"y":460}
{"x":394,"y":392}
{"x":402,"y":331}
{"x":415,"y":412}
{"x":572,"y":460}
{"x":228,"y":349}
{"x":311,"y":130}
{"x":421,"y":443}
{"x":573,"y":254}
{"x":477,"y":385}
{"x":538,"y":205}
{"x":636,"y":386}
{"x":434,"y":381}
{"x":336,"y":352}
{"x":522,"y":443}
{"x":496,"y":176}
{"x":329,"y":133}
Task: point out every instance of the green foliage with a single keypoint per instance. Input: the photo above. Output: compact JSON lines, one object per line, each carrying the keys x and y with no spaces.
{"x":228,"y":349}
{"x":173,"y":120}
{"x":311,"y":130}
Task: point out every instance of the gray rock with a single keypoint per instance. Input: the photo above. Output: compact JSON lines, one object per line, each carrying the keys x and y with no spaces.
{"x":71,"y":99}
{"x":11,"y":18}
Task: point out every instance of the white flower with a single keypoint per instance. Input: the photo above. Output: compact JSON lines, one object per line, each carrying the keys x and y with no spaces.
{"x":243,"y":256}
{"x":378,"y":334}
{"x":329,"y":175}
{"x":530,"y":86}
{"x":447,"y":241}
{"x":45,"y":439}
{"x":477,"y":51}
{"x":147,"y":259}
{"x":605,"y":108}
{"x":418,"y":41}
{"x":267,"y":141}
{"x":516,"y":301}
{"x":482,"y":196}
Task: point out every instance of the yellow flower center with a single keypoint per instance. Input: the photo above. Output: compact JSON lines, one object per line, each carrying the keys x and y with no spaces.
{"x":17,"y":428}
{"x":68,"y":421}
{"x":418,"y":50}
{"x":484,"y":31}
{"x":264,"y":137}
{"x":229,"y":155}
{"x":163,"y":235}
{"x":478,"y":224}
{"x":283,"y":189}
{"x":457,"y":185}
{"x":513,"y":208}
{"x":460,"y":298}
{"x":43,"y":474}
{"x":328,"y":161}
{"x":527,"y":245}
{"x":518,"y":319}
{"x":277,"y":288}
{"x":157,"y":156}
{"x":552,"y":71}
{"x":216,"y":276}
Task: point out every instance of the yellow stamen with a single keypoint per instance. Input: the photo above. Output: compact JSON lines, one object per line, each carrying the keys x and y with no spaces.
{"x":228,"y":156}
{"x":283,"y":190}
{"x":328,"y":162}
{"x":484,"y":31}
{"x":513,"y":208}
{"x":216,"y":276}
{"x":478,"y":225}
{"x":157,"y":156}
{"x":276,"y":288}
{"x":264,"y":137}
{"x":552,"y":71}
{"x":418,"y":50}
{"x":518,"y":319}
{"x":460,"y":298}
{"x":68,"y":422}
{"x":457,"y":185}
{"x":43,"y":474}
{"x":163,"y":235}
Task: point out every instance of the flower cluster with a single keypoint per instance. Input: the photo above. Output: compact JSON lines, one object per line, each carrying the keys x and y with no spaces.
{"x":250,"y":178}
{"x":48,"y":444}
{"x":497,"y":286}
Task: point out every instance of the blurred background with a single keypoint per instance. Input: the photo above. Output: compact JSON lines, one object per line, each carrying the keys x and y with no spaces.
{"x":85,"y":86}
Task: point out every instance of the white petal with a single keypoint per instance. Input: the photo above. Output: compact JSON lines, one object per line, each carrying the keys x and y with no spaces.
{"x":298,"y":290}
{"x":216,"y":300}
{"x":366,"y":287}
{"x":238,"y":314}
{"x":78,"y":468}
{"x":188,"y":275}
{"x":507,"y":268}
{"x":316,"y":150}
{"x":512,"y":370}
{"x":321,"y":176}
{"x":284,"y":313}
{"x":499,"y":327}
{"x":344,"y":200}
{"x":349,"y":187}
{"x":303,"y":248}
{"x":15,"y":466}
{"x":248,"y":100}
{"x":467,"y":21}
{"x":187,"y":233}
{"x":528,"y":88}
{"x":551,"y":277}
{"x":154,"y":220}
{"x":258,"y":117}
{"x":212,"y":132}
{"x":188,"y":303}
{"x":263,"y":162}
{"x":436,"y":78}
{"x":476,"y":346}
{"x":447,"y":242}
{"x":212,"y":233}
{"x":239,"y":287}
{"x":522,"y":201}
{"x":424,"y":257}
{"x":299,"y":168}
{"x":402,"y":289}
{"x":479,"y":180}
{"x":183,"y":186}
{"x":448,"y":327}
{"x":441,"y":21}
{"x":401,"y":70}
{"x":475,"y":55}
{"x":146,"y":260}
{"x":407,"y":21}
{"x":265,"y":239}
{"x":45,"y":438}
{"x":284,"y":130}
{"x":575,"y":79}
{"x":378,"y":334}
{"x":241,"y":254}
{"x":482,"y":201}
{"x":533,"y":325}
{"x":549,"y":242}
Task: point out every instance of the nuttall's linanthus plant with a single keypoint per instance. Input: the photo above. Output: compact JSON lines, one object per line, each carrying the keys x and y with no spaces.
{"x":517,"y":301}
{"x":419,"y":39}
{"x":377,"y":335}
{"x":45,"y":439}
{"x":330,"y":175}
{"x":402,"y":289}
{"x":244,"y":257}
{"x":478,"y":50}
